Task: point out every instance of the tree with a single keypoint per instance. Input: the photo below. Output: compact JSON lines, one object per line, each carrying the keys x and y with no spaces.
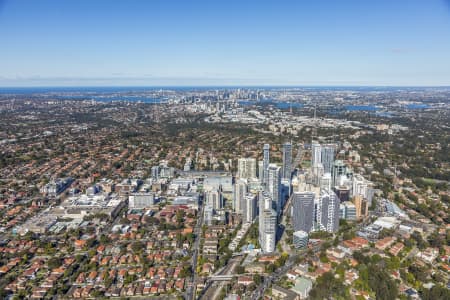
{"x":327,"y":286}
{"x":381,"y":283}
{"x":436,"y":240}
{"x":54,"y":262}
{"x":257,"y":279}
{"x":270,"y":268}
{"x":421,"y":243}
{"x":105,"y":239}
{"x":137,"y":246}
{"x":437,"y":292}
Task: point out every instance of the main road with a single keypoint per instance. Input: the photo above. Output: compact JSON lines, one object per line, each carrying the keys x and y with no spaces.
{"x":213,"y":289}
{"x":191,"y":286}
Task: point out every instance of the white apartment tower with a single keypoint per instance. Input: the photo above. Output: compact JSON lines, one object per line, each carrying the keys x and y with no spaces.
{"x":249,"y":208}
{"x":274,"y":186}
{"x":327,"y":211}
{"x":268,"y":225}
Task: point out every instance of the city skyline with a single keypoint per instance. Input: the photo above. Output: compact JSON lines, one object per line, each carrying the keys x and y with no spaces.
{"x":109,"y":192}
{"x":80,"y":43}
{"x":225,"y":150}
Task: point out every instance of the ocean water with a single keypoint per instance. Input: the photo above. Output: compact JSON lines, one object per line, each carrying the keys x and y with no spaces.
{"x":417,"y":106}
{"x":361,"y":108}
{"x":278,"y":104}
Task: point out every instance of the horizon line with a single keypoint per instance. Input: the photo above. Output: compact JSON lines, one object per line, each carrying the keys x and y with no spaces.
{"x":229,"y":85}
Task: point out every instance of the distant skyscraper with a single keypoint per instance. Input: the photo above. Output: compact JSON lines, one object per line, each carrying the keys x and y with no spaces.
{"x":287,"y":161}
{"x":327,"y":157}
{"x":303,"y":211}
{"x":316,"y":155}
{"x":261,"y":171}
{"x":266,"y":161}
{"x":327,"y":212}
{"x":155,"y":172}
{"x":274,"y":185}
{"x":249,"y":208}
{"x":247,"y":168}
{"x":239,"y":192}
{"x":268,"y":225}
{"x":339,"y":169}
{"x":316,"y":162}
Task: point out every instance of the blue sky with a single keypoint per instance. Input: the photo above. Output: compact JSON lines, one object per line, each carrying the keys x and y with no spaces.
{"x":165,"y":42}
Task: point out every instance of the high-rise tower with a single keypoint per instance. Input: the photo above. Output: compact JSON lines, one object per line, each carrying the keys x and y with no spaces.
{"x":268,"y":230}
{"x":240,"y":190}
{"x":273,"y":186}
{"x":327,"y":157}
{"x":249,"y":208}
{"x":327,"y":212}
{"x":266,"y":161}
{"x":246,"y":168}
{"x":287,"y":161}
{"x":303,"y":211}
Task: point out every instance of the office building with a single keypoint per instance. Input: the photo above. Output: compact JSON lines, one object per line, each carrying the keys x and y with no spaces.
{"x":287,"y":161}
{"x":347,"y":211}
{"x":303,"y":211}
{"x":56,"y":186}
{"x":300,"y":239}
{"x":246,"y":168}
{"x":141,"y":200}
